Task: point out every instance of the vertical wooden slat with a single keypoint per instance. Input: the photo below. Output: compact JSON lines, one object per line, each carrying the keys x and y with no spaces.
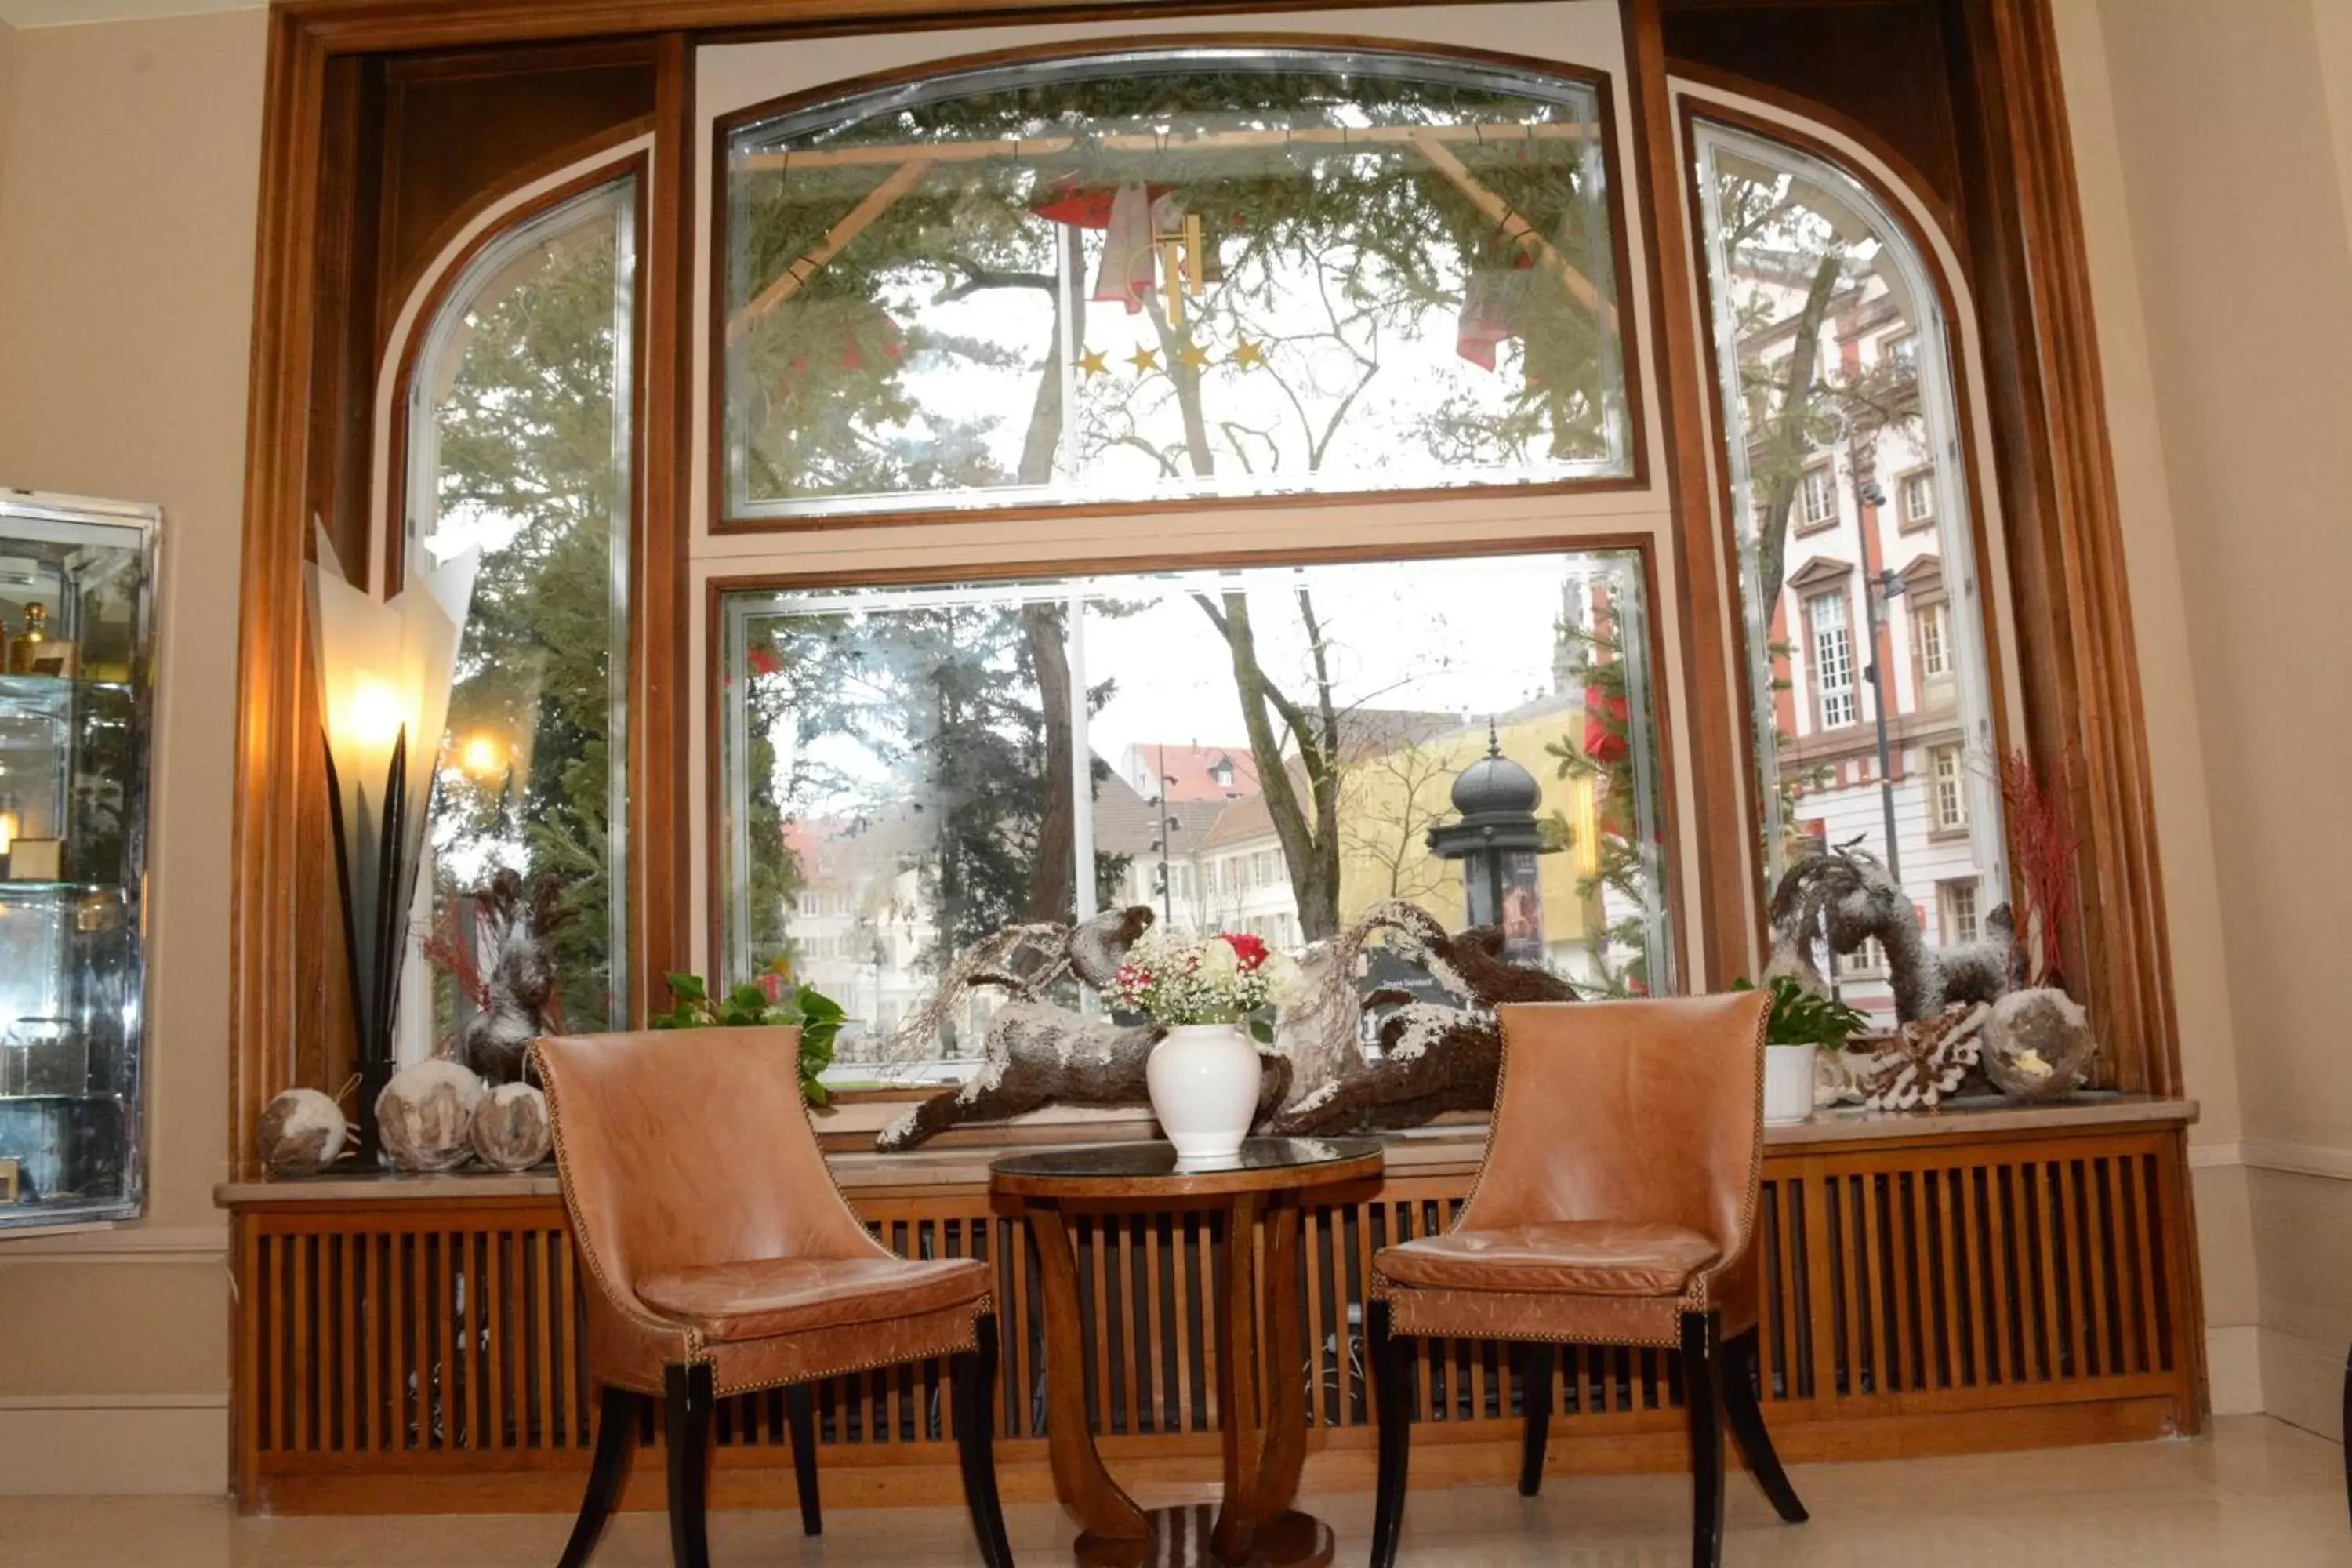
{"x":1155,"y":1366}
{"x":2099,"y":1321}
{"x":1101,"y":1231}
{"x":567,"y":1314}
{"x":1907,"y":1267}
{"x":1311,"y":1242}
{"x":2146,"y":1239}
{"x":1819,"y":1191}
{"x":1875,"y":1292}
{"x":1180,"y":1258}
{"x":542,"y":1336}
{"x":2044,"y":1222}
{"x":2066,"y":1230}
{"x":304,"y":1382}
{"x":1968,"y":1215}
{"x":502,"y":1256}
{"x":1937,"y":1319}
{"x":2007,"y":1299}
{"x":1203,"y":1310}
{"x":345,"y":1417}
{"x":1013,"y":1269}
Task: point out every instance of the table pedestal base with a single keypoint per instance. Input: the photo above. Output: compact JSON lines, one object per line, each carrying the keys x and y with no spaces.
{"x":1179,"y":1539}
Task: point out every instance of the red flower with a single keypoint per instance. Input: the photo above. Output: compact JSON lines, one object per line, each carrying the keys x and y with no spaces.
{"x":1249,"y":951}
{"x":771,"y":986}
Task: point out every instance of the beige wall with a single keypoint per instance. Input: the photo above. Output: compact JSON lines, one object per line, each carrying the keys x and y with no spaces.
{"x":2216,"y":146}
{"x":128,"y":157}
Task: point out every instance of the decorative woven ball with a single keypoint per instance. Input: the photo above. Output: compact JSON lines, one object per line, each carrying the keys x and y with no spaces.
{"x":425,"y":1114}
{"x":2038,"y":1045}
{"x":302,"y":1132}
{"x":510,"y":1129}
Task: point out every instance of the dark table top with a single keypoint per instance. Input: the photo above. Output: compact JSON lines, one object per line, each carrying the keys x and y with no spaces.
{"x":1153,"y":1171}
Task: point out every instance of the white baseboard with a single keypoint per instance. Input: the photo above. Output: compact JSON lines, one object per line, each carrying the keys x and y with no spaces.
{"x":2303,"y":1382}
{"x":100,"y":1445}
{"x":2233,"y":1369}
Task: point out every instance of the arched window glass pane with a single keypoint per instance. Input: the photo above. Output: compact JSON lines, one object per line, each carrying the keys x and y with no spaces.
{"x":1869,"y":673}
{"x":1160,"y":274}
{"x":520,"y":447}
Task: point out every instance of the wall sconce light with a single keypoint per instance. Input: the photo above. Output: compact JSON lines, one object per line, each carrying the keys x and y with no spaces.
{"x":384,"y":670}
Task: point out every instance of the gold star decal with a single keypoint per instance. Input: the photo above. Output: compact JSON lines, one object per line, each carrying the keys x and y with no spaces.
{"x":1246,"y":353}
{"x":1091,"y":362}
{"x":1144,"y":359}
{"x":1194,"y":355}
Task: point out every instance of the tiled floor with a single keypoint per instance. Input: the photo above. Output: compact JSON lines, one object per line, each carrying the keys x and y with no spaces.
{"x":2257,"y":1493}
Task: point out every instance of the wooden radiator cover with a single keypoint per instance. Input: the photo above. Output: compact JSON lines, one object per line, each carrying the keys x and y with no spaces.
{"x":1938,"y":1295}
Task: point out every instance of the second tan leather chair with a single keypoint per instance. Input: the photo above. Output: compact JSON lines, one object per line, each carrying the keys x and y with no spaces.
{"x":1616,"y":1207}
{"x":722,"y":1259}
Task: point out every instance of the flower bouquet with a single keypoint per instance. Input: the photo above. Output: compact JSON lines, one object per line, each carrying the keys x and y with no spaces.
{"x":1228,"y":978}
{"x":1204,"y":1074}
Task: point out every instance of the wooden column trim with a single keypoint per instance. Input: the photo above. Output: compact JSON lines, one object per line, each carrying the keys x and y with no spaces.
{"x":2056,"y":471}
{"x":272,"y":717}
{"x":1726,"y":944}
{"x":658,"y":864}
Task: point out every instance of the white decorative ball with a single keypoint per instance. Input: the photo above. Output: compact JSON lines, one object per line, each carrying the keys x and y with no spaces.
{"x":302,"y":1132}
{"x":510,"y":1129}
{"x":425,"y":1115}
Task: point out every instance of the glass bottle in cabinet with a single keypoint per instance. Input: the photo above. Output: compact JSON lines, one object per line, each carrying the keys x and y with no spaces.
{"x":77,"y":616}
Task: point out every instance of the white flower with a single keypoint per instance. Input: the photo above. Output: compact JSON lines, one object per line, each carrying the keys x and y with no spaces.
{"x":1218,"y":964}
{"x":1286,"y":983}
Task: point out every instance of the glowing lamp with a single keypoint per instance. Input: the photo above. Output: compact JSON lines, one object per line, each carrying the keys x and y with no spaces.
{"x":374,"y":715}
{"x":384,"y":670}
{"x":482,"y":758}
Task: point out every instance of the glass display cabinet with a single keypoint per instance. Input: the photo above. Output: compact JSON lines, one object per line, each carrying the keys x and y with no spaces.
{"x":76,"y":614}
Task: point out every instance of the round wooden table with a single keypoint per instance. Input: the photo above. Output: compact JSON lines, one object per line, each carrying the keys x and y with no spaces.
{"x":1263,"y":1412}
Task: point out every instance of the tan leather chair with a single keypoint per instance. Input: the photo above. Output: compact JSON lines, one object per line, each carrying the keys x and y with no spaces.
{"x":722,"y":1259}
{"x":1616,"y":1207}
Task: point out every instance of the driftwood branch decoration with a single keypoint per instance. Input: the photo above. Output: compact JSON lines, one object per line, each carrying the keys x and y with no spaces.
{"x":1433,"y":1058}
{"x":1036,"y":1053}
{"x":1845,"y":897}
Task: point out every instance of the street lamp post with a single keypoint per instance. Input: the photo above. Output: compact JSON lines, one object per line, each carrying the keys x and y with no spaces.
{"x":1879,"y":589}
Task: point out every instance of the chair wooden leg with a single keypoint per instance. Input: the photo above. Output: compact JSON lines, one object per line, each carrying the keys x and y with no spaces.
{"x":972,"y":1380}
{"x":1537,"y":1395}
{"x":1702,"y":1377}
{"x":617,"y":1410}
{"x":799,"y":1411}
{"x":690,"y":1404}
{"x":1743,"y":1407}
{"x":1393,"y":1359}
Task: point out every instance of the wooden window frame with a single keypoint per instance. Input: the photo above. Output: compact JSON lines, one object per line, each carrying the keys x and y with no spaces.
{"x":2013,"y":212}
{"x":724,"y":521}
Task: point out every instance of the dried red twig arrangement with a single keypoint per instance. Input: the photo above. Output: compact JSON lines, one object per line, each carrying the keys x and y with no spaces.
{"x":2041,"y":836}
{"x":453,"y":957}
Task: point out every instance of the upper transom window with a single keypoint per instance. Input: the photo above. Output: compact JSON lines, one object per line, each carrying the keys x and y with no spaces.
{"x":1160,"y":274}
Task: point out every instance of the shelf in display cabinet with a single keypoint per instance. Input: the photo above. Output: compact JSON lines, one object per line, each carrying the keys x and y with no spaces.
{"x":28,"y":686}
{"x":78,"y":889}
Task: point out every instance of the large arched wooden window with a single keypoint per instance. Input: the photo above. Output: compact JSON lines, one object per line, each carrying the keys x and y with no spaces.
{"x":517,"y":417}
{"x":1165,"y":273}
{"x":1867,"y":626}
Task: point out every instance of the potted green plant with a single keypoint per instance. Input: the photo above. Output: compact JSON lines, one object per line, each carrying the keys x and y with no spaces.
{"x":771,"y":1002}
{"x":1802,"y":1023}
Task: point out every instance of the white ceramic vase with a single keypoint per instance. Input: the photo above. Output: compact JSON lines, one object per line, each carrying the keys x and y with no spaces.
{"x":1204,"y":1086}
{"x":1788,"y":1084}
